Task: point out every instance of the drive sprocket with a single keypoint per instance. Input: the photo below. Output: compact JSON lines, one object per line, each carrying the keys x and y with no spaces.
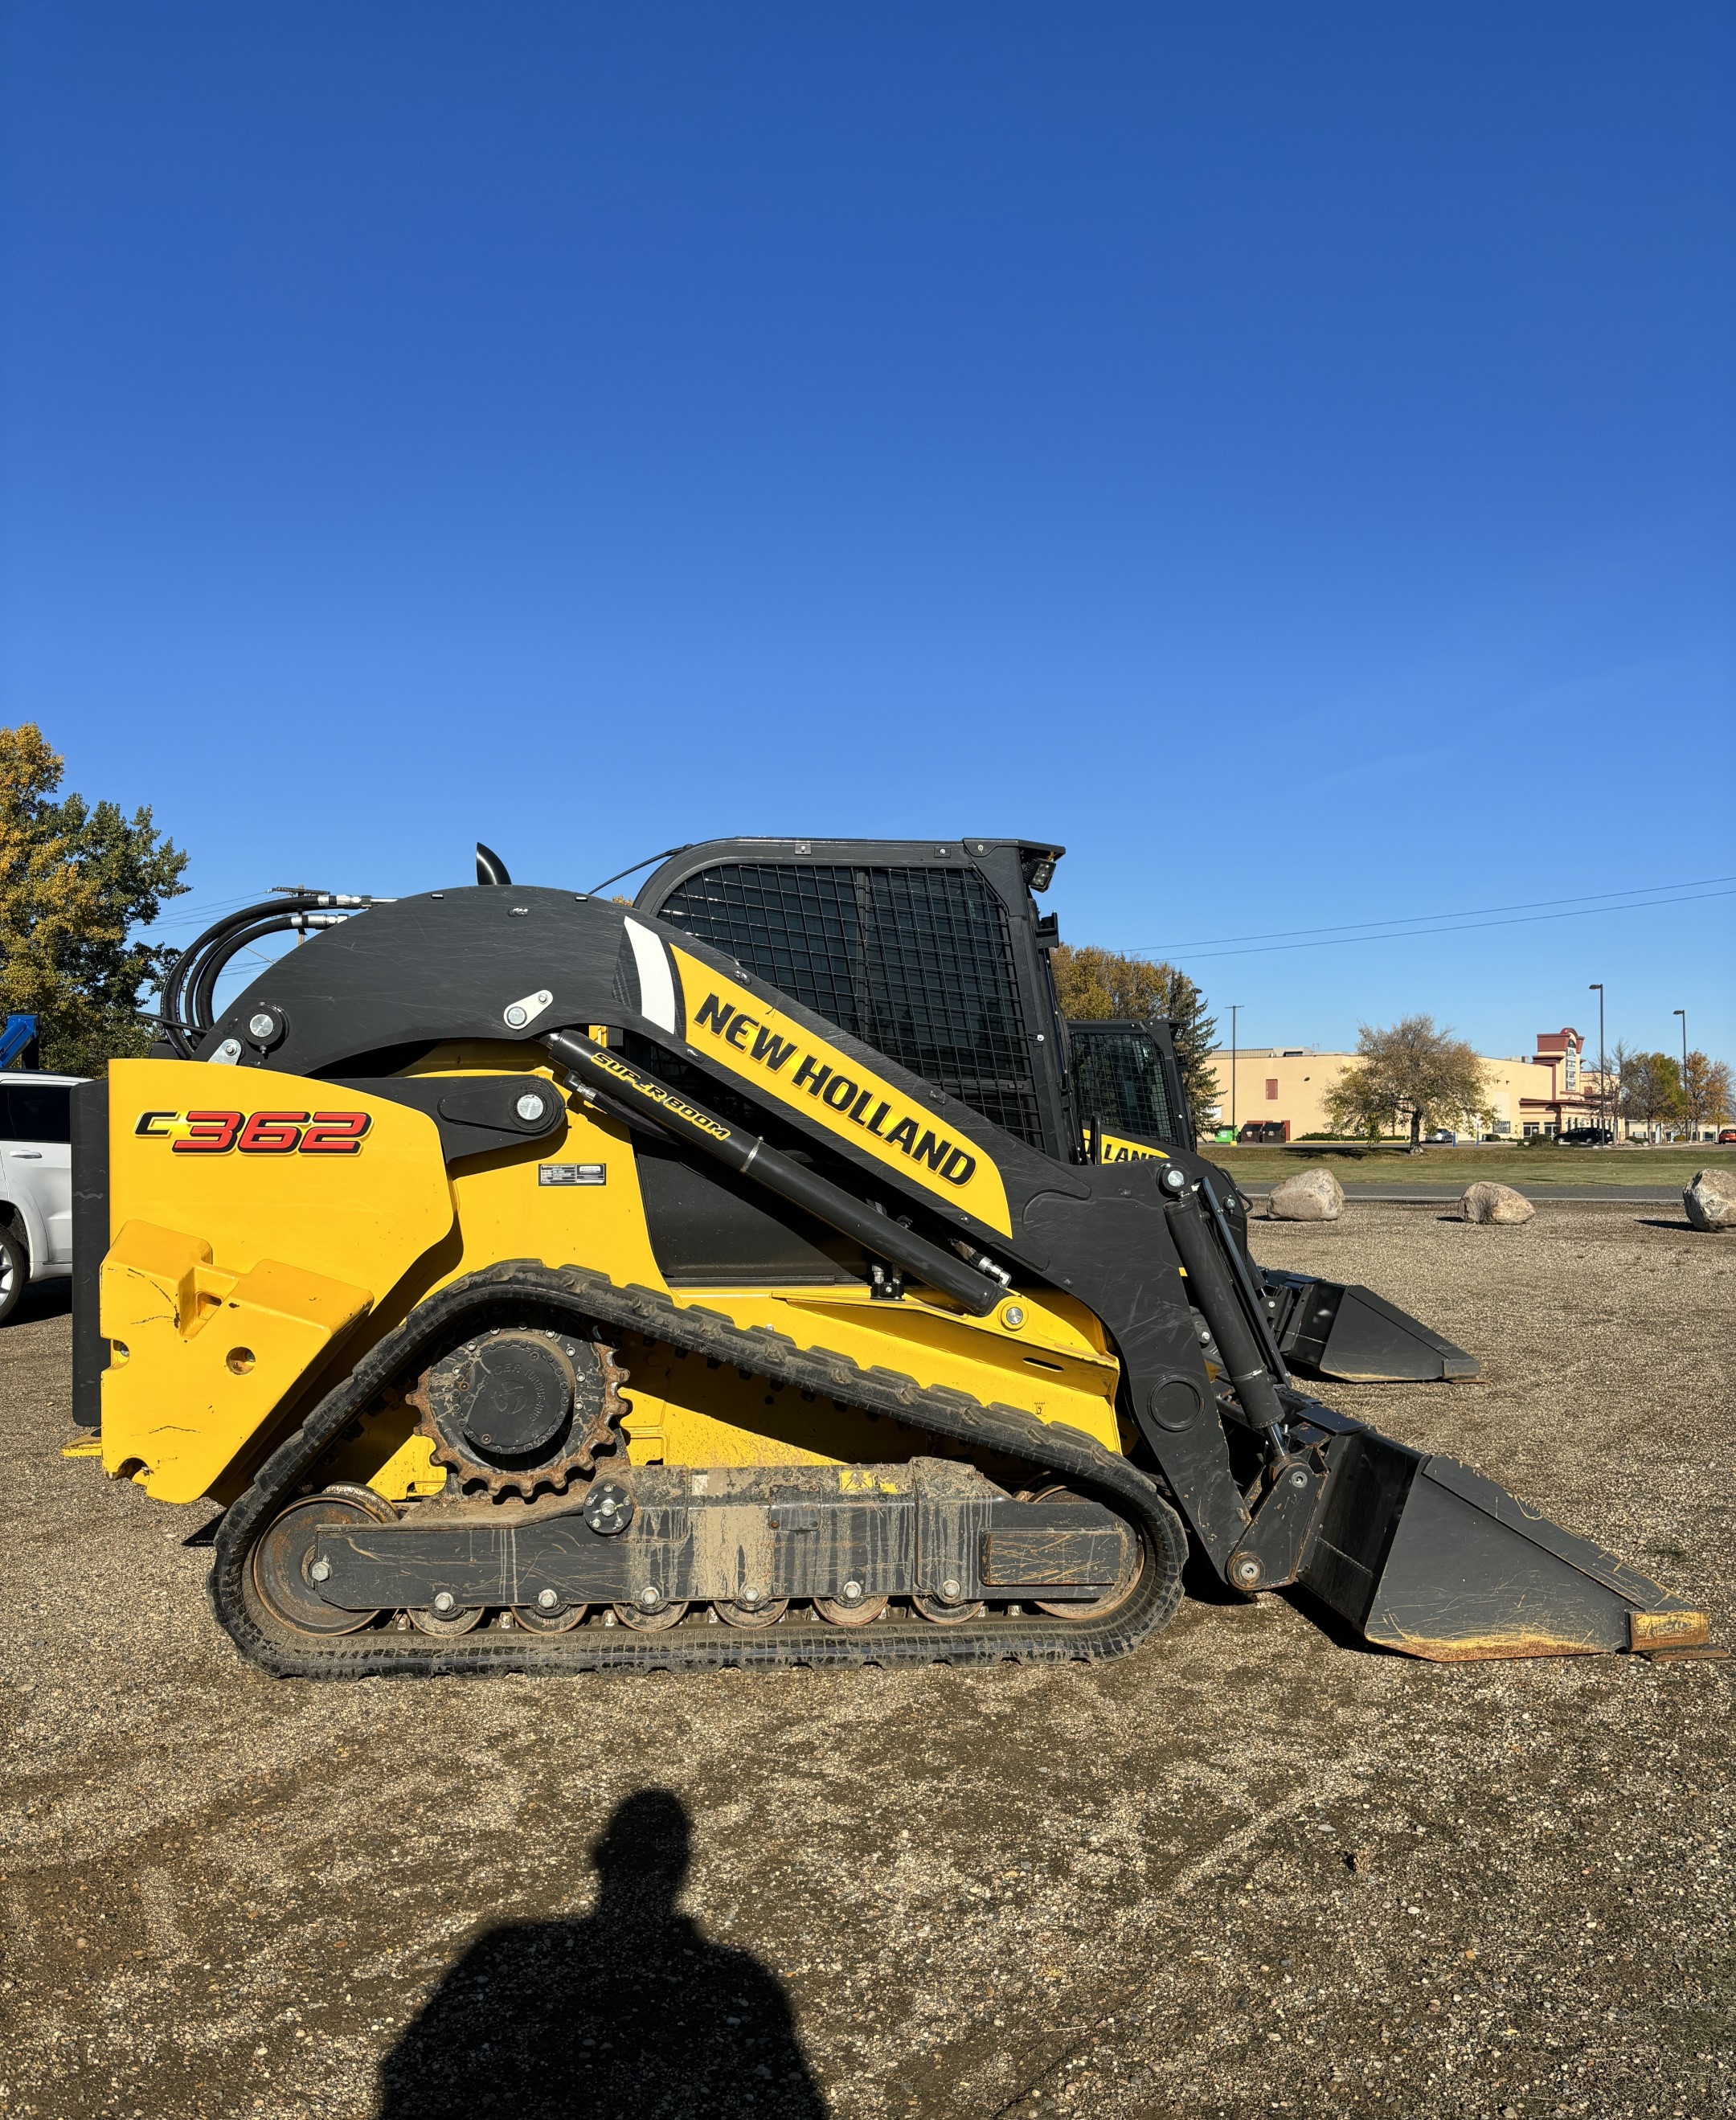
{"x":521,"y":1407}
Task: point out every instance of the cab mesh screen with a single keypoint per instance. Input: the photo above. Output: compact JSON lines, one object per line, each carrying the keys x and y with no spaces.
{"x":1118,"y":1078}
{"x":914,"y":961}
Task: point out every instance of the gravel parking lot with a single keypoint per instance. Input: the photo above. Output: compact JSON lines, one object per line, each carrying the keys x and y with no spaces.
{"x":1251,"y":1869}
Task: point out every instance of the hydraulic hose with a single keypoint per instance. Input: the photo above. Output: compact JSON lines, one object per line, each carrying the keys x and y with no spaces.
{"x":187,"y":964}
{"x":183,"y":1014}
{"x":204,"y":989}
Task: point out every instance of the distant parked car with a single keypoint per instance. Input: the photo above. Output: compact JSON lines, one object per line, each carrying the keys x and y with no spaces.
{"x":35,"y":1183}
{"x":1726,"y":1134}
{"x":1589,"y":1137}
{"x":1443,"y":1139}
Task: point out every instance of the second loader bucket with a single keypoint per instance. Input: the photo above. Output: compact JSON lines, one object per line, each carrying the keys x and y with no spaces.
{"x":1353,"y":1336}
{"x":1424,"y":1556}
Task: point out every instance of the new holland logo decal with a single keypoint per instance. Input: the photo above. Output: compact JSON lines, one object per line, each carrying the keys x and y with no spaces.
{"x":840,"y":1092}
{"x":757,"y":1041}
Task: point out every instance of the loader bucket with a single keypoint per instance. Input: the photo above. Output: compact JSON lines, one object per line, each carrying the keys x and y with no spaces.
{"x":1424,"y":1556}
{"x":1354,"y":1336}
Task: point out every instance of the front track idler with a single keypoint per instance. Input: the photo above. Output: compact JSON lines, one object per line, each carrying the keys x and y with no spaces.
{"x":631,"y":1632}
{"x":288,"y":1575}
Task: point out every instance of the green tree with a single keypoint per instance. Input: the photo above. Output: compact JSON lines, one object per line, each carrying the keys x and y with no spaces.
{"x":1411,"y":1073}
{"x":1652,"y":1090}
{"x":75,"y":878}
{"x":1096,"y":986}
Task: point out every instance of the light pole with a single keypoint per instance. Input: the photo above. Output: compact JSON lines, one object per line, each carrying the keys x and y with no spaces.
{"x":1597,"y":988}
{"x":1683,"y":1013}
{"x":1234,"y":1010}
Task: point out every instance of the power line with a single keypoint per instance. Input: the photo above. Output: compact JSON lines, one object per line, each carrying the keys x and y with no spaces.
{"x":202,"y":915}
{"x":1461,"y":913}
{"x":1412,"y":934}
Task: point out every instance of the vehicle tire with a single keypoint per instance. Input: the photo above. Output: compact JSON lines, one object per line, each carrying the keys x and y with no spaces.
{"x":15,"y":1271}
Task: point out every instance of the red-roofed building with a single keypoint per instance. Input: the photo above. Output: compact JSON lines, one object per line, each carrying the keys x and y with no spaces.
{"x":1567,"y":1103}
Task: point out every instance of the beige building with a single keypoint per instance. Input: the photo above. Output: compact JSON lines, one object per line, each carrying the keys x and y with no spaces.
{"x":1283,"y":1088}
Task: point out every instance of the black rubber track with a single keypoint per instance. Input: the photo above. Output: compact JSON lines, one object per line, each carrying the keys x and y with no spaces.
{"x":575,"y":1297}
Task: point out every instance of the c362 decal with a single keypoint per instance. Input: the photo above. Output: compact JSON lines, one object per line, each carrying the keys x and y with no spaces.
{"x":257,"y":1133}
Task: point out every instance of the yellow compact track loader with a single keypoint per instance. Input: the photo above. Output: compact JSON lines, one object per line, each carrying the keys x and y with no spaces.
{"x":749,"y":1276}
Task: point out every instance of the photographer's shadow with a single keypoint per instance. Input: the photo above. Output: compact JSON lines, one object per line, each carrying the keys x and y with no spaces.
{"x":628,"y":2014}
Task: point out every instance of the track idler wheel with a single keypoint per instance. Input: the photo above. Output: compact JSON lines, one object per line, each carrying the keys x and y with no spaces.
{"x":553,"y":1618}
{"x":652,"y":1619}
{"x":1076,"y":1608}
{"x":857,"y":1611}
{"x":755,"y":1612}
{"x":943,"y":1613}
{"x":283,"y":1559}
{"x":445,"y":1615}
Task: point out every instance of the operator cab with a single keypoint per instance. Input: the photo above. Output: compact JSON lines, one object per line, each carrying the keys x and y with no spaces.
{"x":932,"y":951}
{"x":935,"y":953}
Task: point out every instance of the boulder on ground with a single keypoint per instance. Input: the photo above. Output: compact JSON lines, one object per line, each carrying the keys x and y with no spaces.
{"x":1710,"y":1200}
{"x":1311,"y":1196}
{"x":1484,"y":1202}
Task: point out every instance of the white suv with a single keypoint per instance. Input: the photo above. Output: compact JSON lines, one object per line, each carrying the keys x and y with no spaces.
{"x":35,"y":1181}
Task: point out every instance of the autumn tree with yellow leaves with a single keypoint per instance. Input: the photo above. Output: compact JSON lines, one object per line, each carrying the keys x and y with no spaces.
{"x":77,"y":880}
{"x":1099,"y":985}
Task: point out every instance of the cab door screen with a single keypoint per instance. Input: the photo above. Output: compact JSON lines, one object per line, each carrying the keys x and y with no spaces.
{"x":1119,"y":1078}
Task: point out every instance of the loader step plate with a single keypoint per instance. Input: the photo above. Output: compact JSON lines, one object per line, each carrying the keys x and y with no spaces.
{"x":926,"y":1561}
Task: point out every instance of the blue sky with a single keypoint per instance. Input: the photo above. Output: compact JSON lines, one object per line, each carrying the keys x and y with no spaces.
{"x":1283,"y":452}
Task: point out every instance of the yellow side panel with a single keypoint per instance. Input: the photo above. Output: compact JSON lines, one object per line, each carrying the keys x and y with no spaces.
{"x":739,"y":1423}
{"x":364,"y":1213}
{"x":387,"y":1456}
{"x":256,"y":1216}
{"x":190,"y":1381}
{"x":684,"y":1413}
{"x":779,"y":1058}
{"x":1045,"y":1367}
{"x":509,"y":1207}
